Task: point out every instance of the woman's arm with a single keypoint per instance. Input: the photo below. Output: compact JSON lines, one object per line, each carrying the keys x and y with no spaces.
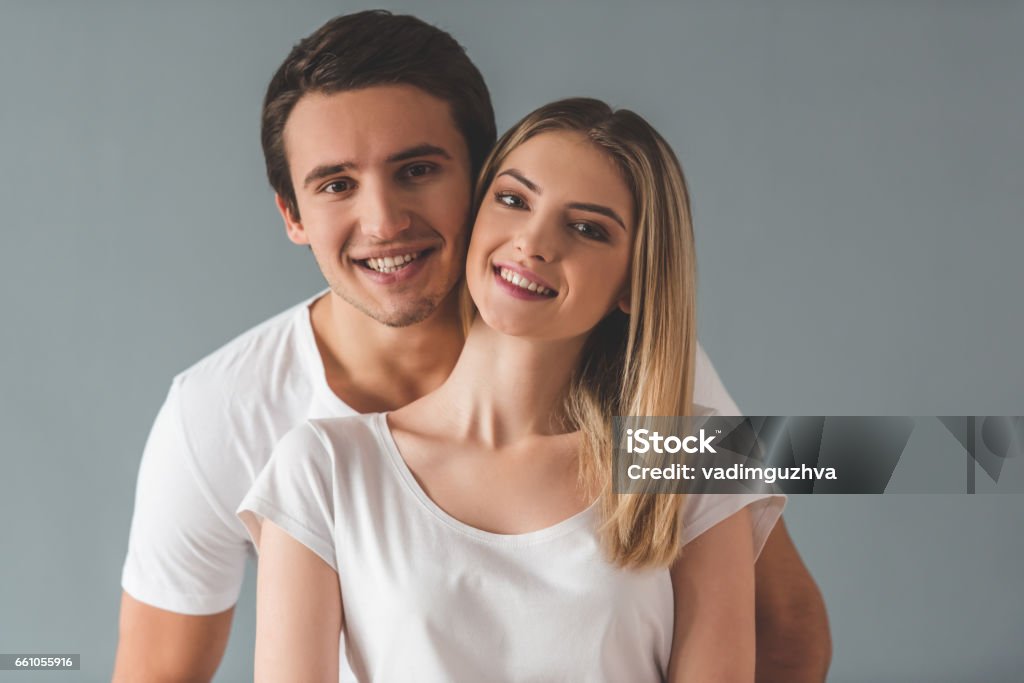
{"x":713,"y":585}
{"x":298,"y":611}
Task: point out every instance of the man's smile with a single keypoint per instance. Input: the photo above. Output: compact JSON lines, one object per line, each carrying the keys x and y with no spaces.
{"x":394,"y":265}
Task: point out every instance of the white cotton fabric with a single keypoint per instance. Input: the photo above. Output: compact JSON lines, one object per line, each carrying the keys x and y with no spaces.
{"x":215,"y":432}
{"x":429,"y":598}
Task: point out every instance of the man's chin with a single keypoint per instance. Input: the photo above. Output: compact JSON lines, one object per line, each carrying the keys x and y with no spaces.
{"x":407,"y":318}
{"x":409,"y":313}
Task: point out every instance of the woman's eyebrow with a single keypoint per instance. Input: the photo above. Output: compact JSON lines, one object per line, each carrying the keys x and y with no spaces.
{"x":598,"y":208}
{"x":582,"y":206}
{"x":518,"y":175}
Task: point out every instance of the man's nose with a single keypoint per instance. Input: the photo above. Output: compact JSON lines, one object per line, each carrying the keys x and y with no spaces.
{"x":382,"y":214}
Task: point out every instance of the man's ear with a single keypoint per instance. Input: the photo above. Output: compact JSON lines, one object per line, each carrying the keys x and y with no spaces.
{"x":292,"y":226}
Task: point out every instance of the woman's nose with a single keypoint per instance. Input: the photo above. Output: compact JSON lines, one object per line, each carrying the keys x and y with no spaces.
{"x":536,"y":239}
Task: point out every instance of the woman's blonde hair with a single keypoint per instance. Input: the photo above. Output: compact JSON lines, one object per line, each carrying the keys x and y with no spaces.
{"x":638,"y":364}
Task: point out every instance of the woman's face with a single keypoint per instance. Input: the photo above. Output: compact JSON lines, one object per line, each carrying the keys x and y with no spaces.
{"x":550,"y":252}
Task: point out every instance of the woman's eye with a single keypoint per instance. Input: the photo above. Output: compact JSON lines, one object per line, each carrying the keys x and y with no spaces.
{"x":589,"y":231}
{"x":338,"y":186}
{"x":510,"y":199}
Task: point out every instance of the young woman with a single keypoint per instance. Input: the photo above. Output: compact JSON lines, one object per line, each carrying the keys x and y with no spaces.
{"x":474,"y":535}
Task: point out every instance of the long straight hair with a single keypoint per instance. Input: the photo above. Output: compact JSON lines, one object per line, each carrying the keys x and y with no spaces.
{"x":636,"y":364}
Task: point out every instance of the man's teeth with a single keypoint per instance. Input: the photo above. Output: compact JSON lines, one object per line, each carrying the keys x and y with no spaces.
{"x":520,"y":281}
{"x":390,"y":264}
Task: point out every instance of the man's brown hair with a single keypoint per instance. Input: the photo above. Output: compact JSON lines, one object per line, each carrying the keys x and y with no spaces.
{"x":375,"y":48}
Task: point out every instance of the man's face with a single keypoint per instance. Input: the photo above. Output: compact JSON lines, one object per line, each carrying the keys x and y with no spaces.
{"x":382,"y":182}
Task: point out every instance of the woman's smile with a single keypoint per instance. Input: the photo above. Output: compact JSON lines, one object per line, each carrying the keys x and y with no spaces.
{"x":552,"y":226}
{"x":522,"y":283}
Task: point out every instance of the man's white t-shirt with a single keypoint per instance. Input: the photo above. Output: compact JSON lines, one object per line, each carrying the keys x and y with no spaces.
{"x":430,"y":598}
{"x":214,"y":434}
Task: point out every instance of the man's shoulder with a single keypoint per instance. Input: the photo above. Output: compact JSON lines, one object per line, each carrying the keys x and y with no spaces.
{"x":245,"y":395}
{"x":220,"y":423}
{"x":708,"y":389}
{"x":256,"y":359}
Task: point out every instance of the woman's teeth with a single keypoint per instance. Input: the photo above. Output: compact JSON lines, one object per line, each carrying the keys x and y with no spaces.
{"x":520,"y":281}
{"x":390,"y":264}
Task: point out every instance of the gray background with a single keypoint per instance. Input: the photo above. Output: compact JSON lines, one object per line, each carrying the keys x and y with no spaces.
{"x":857,"y":171}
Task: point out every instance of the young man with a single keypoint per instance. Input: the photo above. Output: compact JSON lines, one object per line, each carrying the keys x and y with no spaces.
{"x":373,"y":130}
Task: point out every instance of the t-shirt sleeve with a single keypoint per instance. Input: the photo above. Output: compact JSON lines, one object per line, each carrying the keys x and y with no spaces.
{"x":295,"y":491}
{"x":185,"y":554}
{"x":708,"y":390}
{"x":701,"y":511}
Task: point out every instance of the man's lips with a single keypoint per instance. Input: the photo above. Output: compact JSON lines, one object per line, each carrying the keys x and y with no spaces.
{"x":396,"y":250}
{"x":392,"y":260}
{"x":383,"y":274}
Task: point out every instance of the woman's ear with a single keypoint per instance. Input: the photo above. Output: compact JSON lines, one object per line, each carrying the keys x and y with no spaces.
{"x":624,"y":303}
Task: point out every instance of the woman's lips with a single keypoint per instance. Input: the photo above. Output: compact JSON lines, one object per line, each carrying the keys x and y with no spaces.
{"x":521,"y":286}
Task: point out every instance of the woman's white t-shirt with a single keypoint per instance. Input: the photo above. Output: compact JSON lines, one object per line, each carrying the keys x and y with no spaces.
{"x":429,"y":598}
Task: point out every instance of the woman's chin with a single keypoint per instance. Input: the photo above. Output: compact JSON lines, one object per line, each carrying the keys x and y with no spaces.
{"x":509,"y":324}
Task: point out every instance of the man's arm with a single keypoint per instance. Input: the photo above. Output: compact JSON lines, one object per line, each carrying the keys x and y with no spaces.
{"x":793,"y":641}
{"x":157,"y":646}
{"x":184,"y":566}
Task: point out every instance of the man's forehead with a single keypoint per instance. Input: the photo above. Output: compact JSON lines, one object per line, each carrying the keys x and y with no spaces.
{"x":375,"y":123}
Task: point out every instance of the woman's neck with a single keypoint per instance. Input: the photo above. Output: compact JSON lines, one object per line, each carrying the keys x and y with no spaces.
{"x":505,"y":388}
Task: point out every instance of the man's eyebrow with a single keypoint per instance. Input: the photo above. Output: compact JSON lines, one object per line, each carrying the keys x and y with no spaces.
{"x":326,"y":170}
{"x":424,"y":150}
{"x":598,"y":208}
{"x":518,"y":175}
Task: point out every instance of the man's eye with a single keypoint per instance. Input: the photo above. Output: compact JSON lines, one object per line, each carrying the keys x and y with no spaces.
{"x":338,"y":186}
{"x":418,"y":170}
{"x":589,"y":231}
{"x":510,"y":199}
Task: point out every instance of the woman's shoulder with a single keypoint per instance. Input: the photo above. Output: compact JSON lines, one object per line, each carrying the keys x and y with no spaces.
{"x":346,"y":425}
{"x":343,"y":450}
{"x":348,"y":434}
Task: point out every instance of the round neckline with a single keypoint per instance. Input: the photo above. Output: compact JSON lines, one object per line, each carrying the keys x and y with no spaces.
{"x":579,"y":520}
{"x":323,"y":388}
